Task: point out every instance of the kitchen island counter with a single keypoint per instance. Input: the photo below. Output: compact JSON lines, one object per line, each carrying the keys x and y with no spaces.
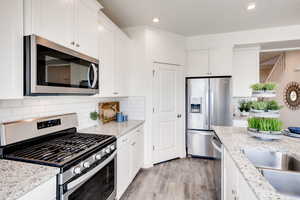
{"x":235,"y":139}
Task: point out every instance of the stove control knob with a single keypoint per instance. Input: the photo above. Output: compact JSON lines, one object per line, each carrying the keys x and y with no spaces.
{"x":77,"y":170}
{"x":86,"y":164}
{"x":98,"y":156}
{"x":107,"y":150}
{"x":112,"y":147}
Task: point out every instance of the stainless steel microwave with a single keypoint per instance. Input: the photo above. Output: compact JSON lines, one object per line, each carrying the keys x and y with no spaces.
{"x":51,"y":69}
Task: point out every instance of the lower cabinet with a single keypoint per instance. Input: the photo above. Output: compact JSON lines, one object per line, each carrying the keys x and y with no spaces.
{"x":129,"y":158}
{"x":235,"y":186}
{"x":46,"y":191}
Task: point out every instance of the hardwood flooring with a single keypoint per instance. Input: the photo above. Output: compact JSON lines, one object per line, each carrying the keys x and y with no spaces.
{"x":181,"y":179}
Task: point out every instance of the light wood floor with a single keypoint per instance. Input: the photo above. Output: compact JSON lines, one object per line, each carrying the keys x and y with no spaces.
{"x":181,"y":179}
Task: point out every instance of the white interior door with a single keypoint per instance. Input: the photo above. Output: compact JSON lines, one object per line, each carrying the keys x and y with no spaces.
{"x":168,"y":131}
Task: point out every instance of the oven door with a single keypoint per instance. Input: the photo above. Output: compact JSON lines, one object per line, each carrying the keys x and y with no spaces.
{"x":97,"y":184}
{"x":53,"y":69}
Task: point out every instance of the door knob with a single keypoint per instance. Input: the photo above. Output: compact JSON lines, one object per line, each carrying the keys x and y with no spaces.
{"x":179,"y":116}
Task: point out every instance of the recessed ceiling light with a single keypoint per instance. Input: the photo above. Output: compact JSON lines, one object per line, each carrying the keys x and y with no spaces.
{"x":251,"y":6}
{"x":155,"y":20}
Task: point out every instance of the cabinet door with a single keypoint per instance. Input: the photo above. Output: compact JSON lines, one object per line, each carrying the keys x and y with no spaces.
{"x":230,"y":178}
{"x":220,"y":61}
{"x":86,"y":28}
{"x":244,"y":191}
{"x":107,"y":62}
{"x":197,"y":63}
{"x":53,"y":20}
{"x":134,"y":155}
{"x":123,"y":167}
{"x":245,"y":70}
{"x":122,"y":56}
{"x":11,"y":49}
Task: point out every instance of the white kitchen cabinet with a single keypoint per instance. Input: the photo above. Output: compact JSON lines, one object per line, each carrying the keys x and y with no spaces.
{"x":136,"y":152}
{"x":234,"y":184}
{"x":71,"y":23}
{"x":46,"y":191}
{"x":245,"y":70}
{"x":209,"y":62}
{"x":11,"y":49}
{"x":52,"y":20}
{"x":129,"y":158}
{"x":220,"y":61}
{"x":107,"y":62}
{"x":123,"y":167}
{"x":197,"y":63}
{"x":86,"y":28}
{"x":115,"y":59}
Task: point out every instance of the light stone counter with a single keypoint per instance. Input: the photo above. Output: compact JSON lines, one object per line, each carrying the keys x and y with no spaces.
{"x":19,"y":178}
{"x":234,"y":139}
{"x":114,"y":128}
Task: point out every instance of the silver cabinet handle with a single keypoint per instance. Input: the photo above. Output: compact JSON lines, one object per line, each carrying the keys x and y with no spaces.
{"x":133,"y":144}
{"x":77,"y":45}
{"x":115,"y":93}
{"x":124,"y":140}
{"x":179,"y":116}
{"x":72,"y":43}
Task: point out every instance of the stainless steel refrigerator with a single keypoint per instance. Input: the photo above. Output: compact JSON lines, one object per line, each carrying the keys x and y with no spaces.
{"x":208,"y":103}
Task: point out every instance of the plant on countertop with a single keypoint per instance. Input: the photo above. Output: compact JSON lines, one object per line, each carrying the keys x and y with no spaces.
{"x":264,"y":86}
{"x":245,"y":106}
{"x":259,"y":105}
{"x":273,"y":105}
{"x":269,"y":86}
{"x":265,"y":124}
{"x":94,"y":115}
{"x":257,"y":86}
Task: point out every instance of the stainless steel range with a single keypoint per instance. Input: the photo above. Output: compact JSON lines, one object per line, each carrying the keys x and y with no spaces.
{"x":87,"y":162}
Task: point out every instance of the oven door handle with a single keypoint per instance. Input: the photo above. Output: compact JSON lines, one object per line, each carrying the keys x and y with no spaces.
{"x":91,"y":173}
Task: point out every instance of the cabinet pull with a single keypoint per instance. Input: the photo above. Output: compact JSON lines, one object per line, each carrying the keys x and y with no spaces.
{"x":77,"y":45}
{"x":115,"y":93}
{"x":133,"y":144}
{"x":124,"y":140}
{"x":72,"y":43}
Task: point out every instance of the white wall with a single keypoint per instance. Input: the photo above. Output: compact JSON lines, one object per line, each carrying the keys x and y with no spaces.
{"x":11,"y":110}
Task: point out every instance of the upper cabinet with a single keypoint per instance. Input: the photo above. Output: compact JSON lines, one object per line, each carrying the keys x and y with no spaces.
{"x":209,"y":62}
{"x":71,"y":23}
{"x":245,"y":70}
{"x":197,"y":63}
{"x":11,"y":49}
{"x":115,"y":59}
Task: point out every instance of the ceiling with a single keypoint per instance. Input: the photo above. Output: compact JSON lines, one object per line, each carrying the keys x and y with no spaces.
{"x":194,"y":17}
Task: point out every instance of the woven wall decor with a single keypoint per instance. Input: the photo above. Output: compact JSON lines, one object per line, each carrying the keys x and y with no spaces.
{"x":292,"y":95}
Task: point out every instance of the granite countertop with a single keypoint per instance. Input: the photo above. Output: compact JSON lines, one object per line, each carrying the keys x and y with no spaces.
{"x":234,"y":139}
{"x":19,"y":178}
{"x":117,"y":129}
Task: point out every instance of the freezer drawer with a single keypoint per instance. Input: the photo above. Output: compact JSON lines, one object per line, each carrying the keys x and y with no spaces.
{"x":199,"y":143}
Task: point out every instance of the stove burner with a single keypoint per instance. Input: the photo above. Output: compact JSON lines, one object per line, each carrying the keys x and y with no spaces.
{"x":59,"y":150}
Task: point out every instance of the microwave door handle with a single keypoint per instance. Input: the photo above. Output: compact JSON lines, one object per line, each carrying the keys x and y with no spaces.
{"x":82,"y":179}
{"x":94,"y":68}
{"x":95,"y":75}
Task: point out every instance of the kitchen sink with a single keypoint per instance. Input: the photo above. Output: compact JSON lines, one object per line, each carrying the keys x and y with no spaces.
{"x":272,"y":159}
{"x":285,"y":182}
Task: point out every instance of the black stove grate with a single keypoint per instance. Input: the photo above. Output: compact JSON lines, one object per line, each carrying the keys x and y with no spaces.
{"x":59,"y":150}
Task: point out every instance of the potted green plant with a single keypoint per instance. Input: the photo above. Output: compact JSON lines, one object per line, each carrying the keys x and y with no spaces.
{"x":244,"y":107}
{"x":259,"y":106}
{"x":273,"y":107}
{"x":261,"y":88}
{"x":94,"y":115}
{"x":269,"y":87}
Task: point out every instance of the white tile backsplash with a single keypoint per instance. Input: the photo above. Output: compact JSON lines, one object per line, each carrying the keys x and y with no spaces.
{"x":29,"y":107}
{"x":134,"y":107}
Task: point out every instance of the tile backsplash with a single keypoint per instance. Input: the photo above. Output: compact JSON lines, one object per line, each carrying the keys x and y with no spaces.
{"x":30,"y":107}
